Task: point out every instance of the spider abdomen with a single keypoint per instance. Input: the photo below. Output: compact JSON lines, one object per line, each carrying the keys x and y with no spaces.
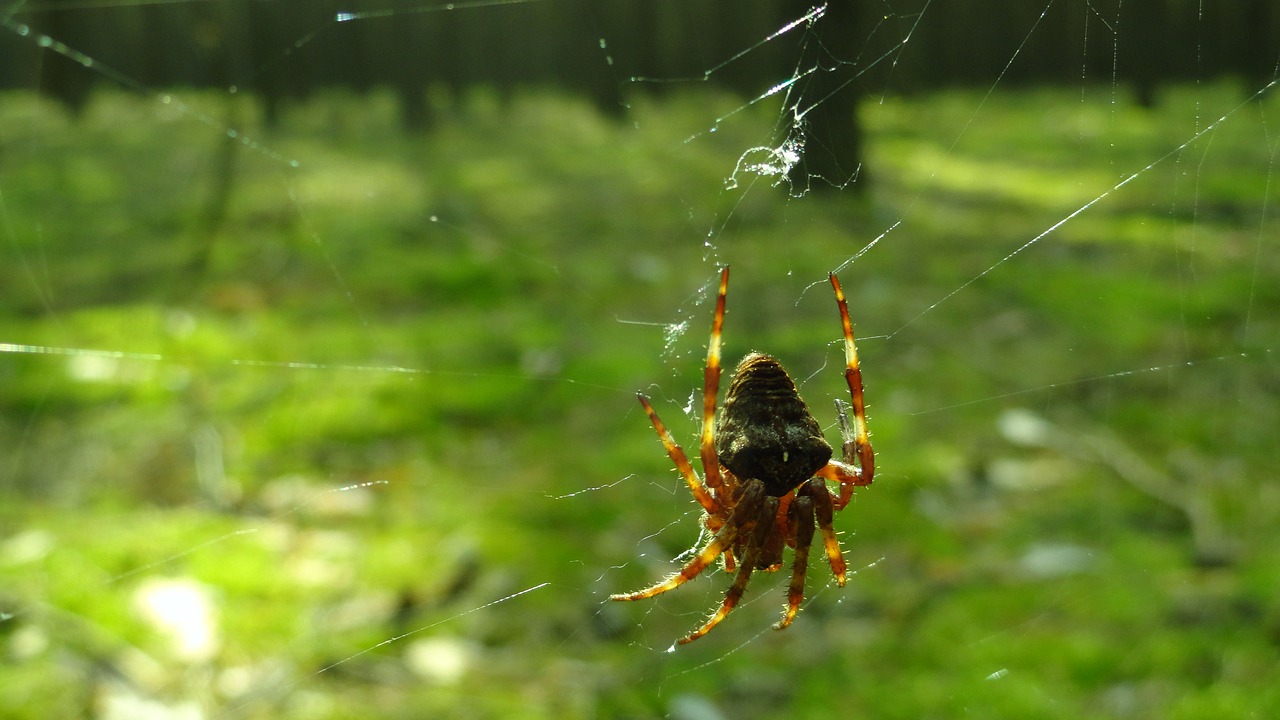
{"x":766,"y":431}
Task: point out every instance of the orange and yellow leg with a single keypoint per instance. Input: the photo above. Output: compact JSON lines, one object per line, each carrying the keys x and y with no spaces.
{"x":824,"y":512}
{"x":760,"y":530}
{"x":711,"y":389}
{"x":748,"y":507}
{"x":676,"y":453}
{"x":857,"y":441}
{"x":800,"y":517}
{"x":719,"y":542}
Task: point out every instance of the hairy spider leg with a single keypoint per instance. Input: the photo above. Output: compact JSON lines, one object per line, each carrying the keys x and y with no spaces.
{"x":765,"y":508}
{"x":750,"y":505}
{"x":861,"y":446}
{"x":711,"y":390}
{"x":824,"y":512}
{"x":856,"y":448}
{"x":676,"y":453}
{"x":847,"y":475}
{"x":800,"y":516}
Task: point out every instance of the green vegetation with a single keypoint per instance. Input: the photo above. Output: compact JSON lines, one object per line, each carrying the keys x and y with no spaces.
{"x":456,"y":323}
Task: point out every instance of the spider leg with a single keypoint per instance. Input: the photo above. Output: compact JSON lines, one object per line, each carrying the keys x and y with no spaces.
{"x":782,"y":524}
{"x":711,"y":389}
{"x":861,"y":442}
{"x":722,"y":540}
{"x":848,"y":476}
{"x":676,"y":453}
{"x":823,"y":510}
{"x":759,"y":536}
{"x":800,"y":516}
{"x":691,"y":570}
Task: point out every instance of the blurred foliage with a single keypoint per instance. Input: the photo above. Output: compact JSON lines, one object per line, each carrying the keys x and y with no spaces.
{"x":354,"y":387}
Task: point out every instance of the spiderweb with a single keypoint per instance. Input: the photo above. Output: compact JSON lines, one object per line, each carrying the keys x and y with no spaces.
{"x":306,"y":415}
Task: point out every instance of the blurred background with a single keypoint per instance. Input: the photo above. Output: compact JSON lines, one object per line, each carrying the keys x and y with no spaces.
{"x":321,"y":325}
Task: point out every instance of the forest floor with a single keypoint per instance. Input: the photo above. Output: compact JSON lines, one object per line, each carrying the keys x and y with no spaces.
{"x":340,"y":422}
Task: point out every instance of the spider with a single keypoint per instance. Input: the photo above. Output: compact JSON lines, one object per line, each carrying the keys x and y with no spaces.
{"x":766,"y":468}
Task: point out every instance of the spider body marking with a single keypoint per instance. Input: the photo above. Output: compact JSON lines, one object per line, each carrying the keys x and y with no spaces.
{"x":765,"y":471}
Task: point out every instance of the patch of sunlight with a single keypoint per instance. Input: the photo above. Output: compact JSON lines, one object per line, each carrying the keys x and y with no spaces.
{"x":926,"y":164}
{"x":346,"y":184}
{"x":182,"y":611}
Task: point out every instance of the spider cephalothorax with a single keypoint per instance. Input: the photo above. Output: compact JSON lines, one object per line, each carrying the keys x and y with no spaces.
{"x":766,"y":469}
